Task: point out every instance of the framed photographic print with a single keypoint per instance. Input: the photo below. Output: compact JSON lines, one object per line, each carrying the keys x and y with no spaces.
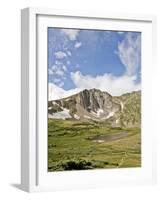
{"x":86,"y":99}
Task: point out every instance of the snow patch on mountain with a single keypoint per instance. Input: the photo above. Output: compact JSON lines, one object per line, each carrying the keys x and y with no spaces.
{"x":122,"y":106}
{"x":87,"y":117}
{"x":54,"y":103}
{"x":99,"y":112}
{"x":61,"y":115}
{"x":76,"y":117}
{"x":111,"y":114}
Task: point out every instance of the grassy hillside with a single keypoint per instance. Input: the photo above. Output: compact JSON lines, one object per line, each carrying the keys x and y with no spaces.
{"x":72,"y":145}
{"x":131,"y":114}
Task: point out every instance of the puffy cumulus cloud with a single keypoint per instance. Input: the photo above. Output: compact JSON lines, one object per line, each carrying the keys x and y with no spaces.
{"x":71,"y":33}
{"x":56,"y":92}
{"x":114,"y":85}
{"x":60,"y":54}
{"x":77,"y":45}
{"x":129,"y":52}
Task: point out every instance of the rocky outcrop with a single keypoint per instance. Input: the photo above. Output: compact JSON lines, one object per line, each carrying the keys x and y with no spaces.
{"x":97,"y":105}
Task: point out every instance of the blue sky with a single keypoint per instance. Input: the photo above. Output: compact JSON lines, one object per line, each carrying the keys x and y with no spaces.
{"x":107,"y":60}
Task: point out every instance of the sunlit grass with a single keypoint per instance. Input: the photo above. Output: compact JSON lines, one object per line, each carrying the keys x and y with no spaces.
{"x":70,"y":146}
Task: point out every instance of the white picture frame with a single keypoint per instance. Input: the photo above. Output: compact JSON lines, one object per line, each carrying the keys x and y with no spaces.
{"x":33,"y":178}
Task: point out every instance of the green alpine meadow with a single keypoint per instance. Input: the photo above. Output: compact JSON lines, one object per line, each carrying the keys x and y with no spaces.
{"x":94,"y":99}
{"x":87,"y":139}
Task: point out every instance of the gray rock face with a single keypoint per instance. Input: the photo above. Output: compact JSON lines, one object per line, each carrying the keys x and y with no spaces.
{"x":96,"y":105}
{"x":92,"y":100}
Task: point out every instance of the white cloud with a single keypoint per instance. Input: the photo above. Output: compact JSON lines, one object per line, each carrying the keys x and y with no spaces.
{"x":60,"y":55}
{"x":57,"y":80}
{"x":57,"y":62}
{"x":56,"y":92}
{"x":61,"y":84}
{"x":77,"y":45}
{"x":57,"y":70}
{"x":64,"y":68}
{"x":69,"y":53}
{"x":129,"y":54}
{"x":129,"y":51}
{"x":71,"y":33}
{"x":114,"y":85}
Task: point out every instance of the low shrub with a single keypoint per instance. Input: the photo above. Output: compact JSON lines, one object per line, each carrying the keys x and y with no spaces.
{"x":76,"y":165}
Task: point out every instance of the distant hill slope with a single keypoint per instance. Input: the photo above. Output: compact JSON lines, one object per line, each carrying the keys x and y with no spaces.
{"x":93,"y":104}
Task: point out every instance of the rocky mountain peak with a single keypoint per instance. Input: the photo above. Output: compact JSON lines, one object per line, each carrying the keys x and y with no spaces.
{"x":94,"y":104}
{"x":93,"y":99}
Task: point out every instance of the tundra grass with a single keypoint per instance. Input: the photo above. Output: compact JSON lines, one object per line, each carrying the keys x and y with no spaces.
{"x":71,"y":147}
